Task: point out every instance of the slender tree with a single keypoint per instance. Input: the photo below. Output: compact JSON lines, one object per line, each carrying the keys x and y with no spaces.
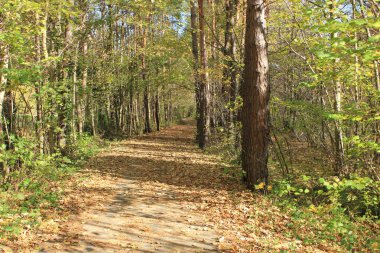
{"x":4,"y":61}
{"x":195,"y":51}
{"x":204,"y":89}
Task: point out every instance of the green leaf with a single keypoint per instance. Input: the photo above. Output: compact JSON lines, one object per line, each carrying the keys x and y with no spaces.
{"x":20,"y":196}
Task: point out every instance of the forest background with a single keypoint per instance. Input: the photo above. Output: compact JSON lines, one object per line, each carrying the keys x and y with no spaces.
{"x":76,"y":73}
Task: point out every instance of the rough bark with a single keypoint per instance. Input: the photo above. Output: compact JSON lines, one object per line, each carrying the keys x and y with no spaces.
{"x":255,"y":91}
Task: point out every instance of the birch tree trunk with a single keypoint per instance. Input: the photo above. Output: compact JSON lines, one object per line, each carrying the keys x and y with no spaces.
{"x":4,"y":63}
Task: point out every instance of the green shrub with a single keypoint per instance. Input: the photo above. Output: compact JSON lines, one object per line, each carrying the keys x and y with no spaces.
{"x":358,"y":196}
{"x":35,"y":181}
{"x":83,"y":147}
{"x":333,"y":210}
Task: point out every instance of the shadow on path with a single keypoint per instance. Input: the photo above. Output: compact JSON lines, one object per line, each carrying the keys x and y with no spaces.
{"x":159,"y":178}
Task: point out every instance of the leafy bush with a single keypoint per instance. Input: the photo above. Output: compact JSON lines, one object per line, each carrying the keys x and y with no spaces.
{"x":34,"y":181}
{"x":358,"y":196}
{"x":339,"y":211}
{"x":83,"y":147}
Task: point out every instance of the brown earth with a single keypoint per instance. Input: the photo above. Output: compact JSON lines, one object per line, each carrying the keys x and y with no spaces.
{"x":158,"y":183}
{"x":160,"y":193}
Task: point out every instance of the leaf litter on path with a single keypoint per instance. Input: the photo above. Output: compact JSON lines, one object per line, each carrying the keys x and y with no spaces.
{"x":160,"y":193}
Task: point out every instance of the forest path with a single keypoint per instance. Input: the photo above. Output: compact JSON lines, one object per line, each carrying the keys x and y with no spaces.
{"x":163,"y":187}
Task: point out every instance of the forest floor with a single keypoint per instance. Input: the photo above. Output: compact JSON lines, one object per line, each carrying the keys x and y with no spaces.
{"x":160,"y":193}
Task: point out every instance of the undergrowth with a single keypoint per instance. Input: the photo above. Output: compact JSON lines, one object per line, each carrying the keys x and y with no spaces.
{"x":35,"y":183}
{"x":329,"y":213}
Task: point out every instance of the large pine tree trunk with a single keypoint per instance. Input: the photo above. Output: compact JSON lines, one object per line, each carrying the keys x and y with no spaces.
{"x":255,"y":91}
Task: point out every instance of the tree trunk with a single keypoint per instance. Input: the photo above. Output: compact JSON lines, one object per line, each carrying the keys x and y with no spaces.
{"x":39,"y":85}
{"x":204,"y":89}
{"x":93,"y":122}
{"x":148,"y":128}
{"x":194,"y":43}
{"x":230,"y":71}
{"x":369,"y":35}
{"x":4,"y":61}
{"x":74,"y":96}
{"x":82,"y":93}
{"x":157,"y":111}
{"x":4,"y":64}
{"x":9,"y":112}
{"x":256,"y":93}
{"x":62,"y":106}
{"x":339,"y":147}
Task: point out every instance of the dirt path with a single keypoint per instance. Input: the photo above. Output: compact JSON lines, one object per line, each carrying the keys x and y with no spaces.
{"x":157,"y":183}
{"x":160,"y":193}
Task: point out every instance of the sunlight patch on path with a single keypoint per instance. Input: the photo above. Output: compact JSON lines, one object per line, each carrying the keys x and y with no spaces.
{"x":150,"y":211}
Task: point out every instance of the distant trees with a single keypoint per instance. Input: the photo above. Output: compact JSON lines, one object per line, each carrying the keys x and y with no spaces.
{"x":90,"y":67}
{"x":324,"y":86}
